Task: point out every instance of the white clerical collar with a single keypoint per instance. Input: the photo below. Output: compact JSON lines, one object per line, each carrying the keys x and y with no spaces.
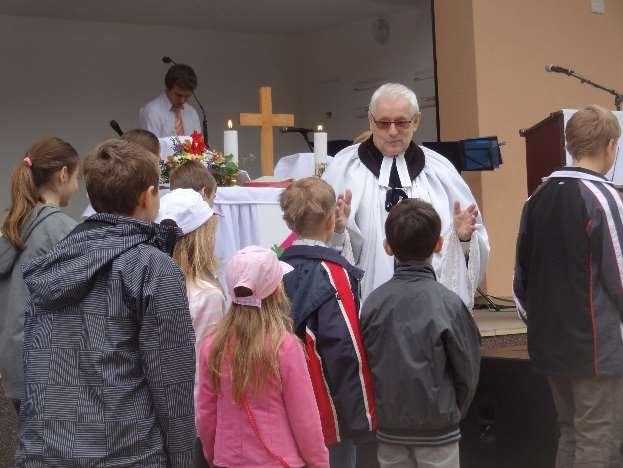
{"x":386,"y":169}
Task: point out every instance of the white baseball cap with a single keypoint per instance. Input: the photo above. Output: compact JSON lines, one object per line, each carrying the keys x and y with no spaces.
{"x":186,"y":207}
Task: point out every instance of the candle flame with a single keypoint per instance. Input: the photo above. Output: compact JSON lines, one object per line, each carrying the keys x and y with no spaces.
{"x":230,"y":124}
{"x":319,"y":128}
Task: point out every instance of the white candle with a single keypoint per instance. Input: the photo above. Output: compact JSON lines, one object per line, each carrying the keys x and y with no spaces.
{"x":230,"y":142}
{"x":320,"y":146}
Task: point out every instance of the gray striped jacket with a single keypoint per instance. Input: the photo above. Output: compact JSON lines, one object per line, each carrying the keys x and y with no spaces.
{"x":108,"y":351}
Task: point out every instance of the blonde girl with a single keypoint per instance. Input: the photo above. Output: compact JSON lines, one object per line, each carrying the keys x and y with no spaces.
{"x":255,"y":405}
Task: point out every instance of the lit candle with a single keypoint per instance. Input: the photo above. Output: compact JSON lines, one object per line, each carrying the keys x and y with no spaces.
{"x":320,"y":150}
{"x":230,"y":142}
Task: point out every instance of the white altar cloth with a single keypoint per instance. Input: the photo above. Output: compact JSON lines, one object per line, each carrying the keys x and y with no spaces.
{"x":251,"y":216}
{"x":297,"y":166}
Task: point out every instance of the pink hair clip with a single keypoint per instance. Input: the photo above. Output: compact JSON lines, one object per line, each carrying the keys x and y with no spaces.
{"x":27,"y":160}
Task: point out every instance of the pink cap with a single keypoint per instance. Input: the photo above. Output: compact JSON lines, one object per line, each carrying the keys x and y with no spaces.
{"x":258,"y":269}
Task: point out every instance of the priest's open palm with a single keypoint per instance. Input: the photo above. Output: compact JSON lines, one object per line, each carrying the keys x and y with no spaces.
{"x":465,"y":220}
{"x":342,"y":210}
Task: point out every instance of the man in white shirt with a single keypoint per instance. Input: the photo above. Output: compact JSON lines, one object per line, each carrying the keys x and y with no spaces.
{"x":375,"y":175}
{"x":170,"y":114}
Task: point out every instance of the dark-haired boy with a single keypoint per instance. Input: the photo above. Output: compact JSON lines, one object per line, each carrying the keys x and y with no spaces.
{"x":108,"y":343}
{"x":423,"y":348}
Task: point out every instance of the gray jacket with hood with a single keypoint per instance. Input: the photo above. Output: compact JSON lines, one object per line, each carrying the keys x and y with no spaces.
{"x":46,"y":226}
{"x":109,"y":351}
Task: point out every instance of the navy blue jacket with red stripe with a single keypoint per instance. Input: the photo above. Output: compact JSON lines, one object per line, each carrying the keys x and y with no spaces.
{"x":323,"y":290}
{"x":569,"y":275}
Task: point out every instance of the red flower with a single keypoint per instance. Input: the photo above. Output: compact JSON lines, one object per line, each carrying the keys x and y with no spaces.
{"x":198,"y":145}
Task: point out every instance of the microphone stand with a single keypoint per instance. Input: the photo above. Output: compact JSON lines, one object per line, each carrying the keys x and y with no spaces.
{"x":204,"y":121}
{"x":304,"y":133}
{"x":618,"y":97}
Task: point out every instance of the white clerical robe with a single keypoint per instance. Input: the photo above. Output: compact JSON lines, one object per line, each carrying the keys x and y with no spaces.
{"x":157,"y":117}
{"x":439,"y":184}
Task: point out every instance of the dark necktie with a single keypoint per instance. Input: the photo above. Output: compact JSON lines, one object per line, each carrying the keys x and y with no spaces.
{"x":395,"y":193}
{"x":394,"y":178}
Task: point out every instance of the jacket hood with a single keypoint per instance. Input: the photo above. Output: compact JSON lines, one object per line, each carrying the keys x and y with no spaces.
{"x":65,"y":275}
{"x":308,"y":285}
{"x":8,"y":253}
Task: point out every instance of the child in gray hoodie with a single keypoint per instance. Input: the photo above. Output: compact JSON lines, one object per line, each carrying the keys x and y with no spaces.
{"x":44,"y":179}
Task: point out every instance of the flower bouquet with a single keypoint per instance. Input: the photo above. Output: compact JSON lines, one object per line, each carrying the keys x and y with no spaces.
{"x":221,"y":167}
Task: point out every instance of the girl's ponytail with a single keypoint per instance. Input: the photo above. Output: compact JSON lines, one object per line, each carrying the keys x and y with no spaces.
{"x":34,"y":170}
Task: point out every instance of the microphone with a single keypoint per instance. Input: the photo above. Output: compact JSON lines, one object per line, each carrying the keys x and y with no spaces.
{"x":295,"y":130}
{"x":115,"y":126}
{"x":166,"y":59}
{"x":557,"y":69}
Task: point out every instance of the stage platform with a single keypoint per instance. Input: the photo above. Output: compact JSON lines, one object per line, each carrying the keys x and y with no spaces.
{"x":511,"y":422}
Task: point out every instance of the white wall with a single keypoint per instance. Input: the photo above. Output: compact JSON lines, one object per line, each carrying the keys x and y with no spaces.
{"x":342,"y":67}
{"x":69,"y":78}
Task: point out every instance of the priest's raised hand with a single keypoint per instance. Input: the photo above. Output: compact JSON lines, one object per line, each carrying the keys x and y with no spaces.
{"x":465,"y":221}
{"x":342,"y":210}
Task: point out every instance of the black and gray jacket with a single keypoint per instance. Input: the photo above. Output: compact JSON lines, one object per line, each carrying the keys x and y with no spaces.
{"x":424,"y":353}
{"x":108,"y":351}
{"x":569,"y":275}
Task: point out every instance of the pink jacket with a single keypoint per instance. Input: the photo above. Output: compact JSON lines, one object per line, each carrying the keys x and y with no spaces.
{"x":287,"y":418}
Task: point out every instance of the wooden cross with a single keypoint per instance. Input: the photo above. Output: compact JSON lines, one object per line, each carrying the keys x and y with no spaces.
{"x":267,"y":120}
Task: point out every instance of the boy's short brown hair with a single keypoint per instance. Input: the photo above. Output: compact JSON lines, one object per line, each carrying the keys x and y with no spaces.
{"x":193,"y":175}
{"x":116,"y":172}
{"x":306,"y":204}
{"x":412,"y":230}
{"x":144,"y":138}
{"x":590,"y":130}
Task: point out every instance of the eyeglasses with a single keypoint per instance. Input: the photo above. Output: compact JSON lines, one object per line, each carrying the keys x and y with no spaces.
{"x":386,"y":124}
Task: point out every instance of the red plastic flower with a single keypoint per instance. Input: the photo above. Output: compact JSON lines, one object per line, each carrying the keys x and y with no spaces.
{"x":198,"y":146}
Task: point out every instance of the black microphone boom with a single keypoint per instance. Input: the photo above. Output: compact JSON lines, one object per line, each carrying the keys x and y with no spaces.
{"x":115,"y":126}
{"x":557,"y":69}
{"x":618,"y":97}
{"x":204,"y":120}
{"x":304,"y":132}
{"x":296,"y":130}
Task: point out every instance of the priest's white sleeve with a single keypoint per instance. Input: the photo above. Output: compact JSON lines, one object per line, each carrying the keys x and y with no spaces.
{"x":342,"y":243}
{"x":459,"y":272}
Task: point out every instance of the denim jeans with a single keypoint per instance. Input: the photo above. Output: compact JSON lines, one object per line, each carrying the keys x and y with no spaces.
{"x":342,"y":454}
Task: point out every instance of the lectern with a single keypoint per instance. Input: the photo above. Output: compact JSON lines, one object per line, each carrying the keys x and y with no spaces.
{"x":545,"y":148}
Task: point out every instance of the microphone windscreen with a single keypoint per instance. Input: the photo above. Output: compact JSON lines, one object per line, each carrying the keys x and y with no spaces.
{"x":166,"y":59}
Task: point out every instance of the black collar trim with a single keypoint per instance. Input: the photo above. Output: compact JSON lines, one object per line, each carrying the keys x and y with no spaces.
{"x":372,"y":158}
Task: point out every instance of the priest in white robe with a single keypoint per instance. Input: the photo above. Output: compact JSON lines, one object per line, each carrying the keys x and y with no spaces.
{"x":373,"y":176}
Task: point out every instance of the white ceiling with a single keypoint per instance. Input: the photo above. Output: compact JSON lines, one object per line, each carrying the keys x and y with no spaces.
{"x":253,"y":16}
